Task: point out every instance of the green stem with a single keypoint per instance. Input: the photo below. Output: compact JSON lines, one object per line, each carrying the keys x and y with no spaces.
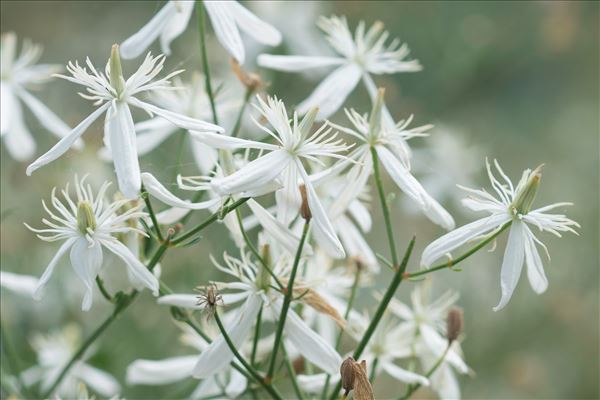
{"x":146,"y":198}
{"x":384,"y":207}
{"x":103,"y":290}
{"x":256,"y":336}
{"x":387,"y":297}
{"x":413,"y":388}
{"x":451,"y":263}
{"x":209,"y":221}
{"x":292,"y":373}
{"x":205,"y":66}
{"x":287,"y":300}
{"x":267,"y":386}
{"x":238,"y":121}
{"x":373,"y":369}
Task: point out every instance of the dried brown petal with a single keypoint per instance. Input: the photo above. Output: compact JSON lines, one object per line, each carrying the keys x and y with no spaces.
{"x":362,"y":387}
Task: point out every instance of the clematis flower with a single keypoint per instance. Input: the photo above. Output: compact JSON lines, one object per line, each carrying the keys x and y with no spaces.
{"x":389,"y":141}
{"x":18,"y":75}
{"x":252,"y":285}
{"x":114,"y":95}
{"x":284,"y":161}
{"x":514,"y":207}
{"x":360,"y":56}
{"x":176,"y":369}
{"x":227,"y":18}
{"x":88,"y":225}
{"x":53,"y":352}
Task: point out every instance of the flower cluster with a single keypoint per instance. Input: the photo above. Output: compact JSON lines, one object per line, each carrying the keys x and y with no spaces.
{"x":293,"y":188}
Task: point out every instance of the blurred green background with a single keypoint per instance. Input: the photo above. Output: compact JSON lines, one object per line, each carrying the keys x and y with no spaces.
{"x":519,"y":80}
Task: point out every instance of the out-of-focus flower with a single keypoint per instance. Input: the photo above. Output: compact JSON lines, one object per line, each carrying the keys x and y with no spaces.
{"x":389,"y":141}
{"x":161,"y":372}
{"x":227,"y":17}
{"x":21,"y":284}
{"x":114,"y":95}
{"x":284,"y":161}
{"x":17,"y":76}
{"x":87,"y":225}
{"x":53,"y":352}
{"x":253,"y":286}
{"x":514,"y":207}
{"x":364,"y":54}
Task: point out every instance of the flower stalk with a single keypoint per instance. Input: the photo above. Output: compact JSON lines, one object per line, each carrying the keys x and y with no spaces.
{"x":205,"y":66}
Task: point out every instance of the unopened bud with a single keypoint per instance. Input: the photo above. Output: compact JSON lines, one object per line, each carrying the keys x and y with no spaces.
{"x":347,"y":374}
{"x":375,"y":117}
{"x":524,"y":198}
{"x":354,"y":377}
{"x":252,"y":81}
{"x":307,"y":122}
{"x":86,"y":219}
{"x":263,"y":278}
{"x":304,"y":207}
{"x":454,"y":324}
{"x":116,"y":72}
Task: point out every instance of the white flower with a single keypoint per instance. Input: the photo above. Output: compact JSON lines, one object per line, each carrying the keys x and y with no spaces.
{"x":284,"y":162}
{"x":389,"y":141}
{"x":19,"y":74}
{"x":87,"y":225}
{"x":253,"y":287}
{"x":21,"y":284}
{"x":53,"y":352}
{"x":513,"y":207}
{"x":175,"y":369}
{"x":227,"y":18}
{"x":114,"y":95}
{"x":364,"y":54}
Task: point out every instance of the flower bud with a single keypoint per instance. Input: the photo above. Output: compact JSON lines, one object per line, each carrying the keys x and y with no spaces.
{"x":347,"y":373}
{"x":375,"y":117}
{"x":524,"y":198}
{"x":263,"y":278}
{"x":116,"y":72}
{"x":86,"y":219}
{"x":304,"y":207}
{"x":354,"y":377}
{"x":454,"y":324}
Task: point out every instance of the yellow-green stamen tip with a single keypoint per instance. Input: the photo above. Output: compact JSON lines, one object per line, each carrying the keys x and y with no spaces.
{"x":86,"y":219}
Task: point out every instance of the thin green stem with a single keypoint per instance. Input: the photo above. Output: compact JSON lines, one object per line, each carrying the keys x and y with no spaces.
{"x":292,"y":373}
{"x":452,"y":263}
{"x":209,"y":220}
{"x":413,"y":388}
{"x":238,"y":120}
{"x":373,"y":370}
{"x":384,"y":207}
{"x":267,"y":386}
{"x":287,"y":300}
{"x":256,"y":336}
{"x":387,"y":297}
{"x":205,"y":66}
{"x":155,"y":225}
{"x":12,"y":359}
{"x":103,"y":290}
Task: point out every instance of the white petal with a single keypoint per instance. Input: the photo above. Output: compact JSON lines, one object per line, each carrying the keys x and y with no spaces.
{"x":436,"y":213}
{"x":98,"y":380}
{"x":176,"y":24}
{"x":332,"y":92}
{"x":437,"y":344}
{"x":256,"y":173}
{"x":277,"y":230}
{"x":452,"y":240}
{"x":157,"y":190}
{"x":225,"y":28}
{"x":136,"y":268}
{"x":205,"y":156}
{"x":315,"y":383}
{"x":140,"y":41}
{"x":18,"y":140}
{"x":403,"y":375}
{"x":65,"y":143}
{"x":87,"y":261}
{"x":512,"y":264}
{"x":354,"y":242}
{"x":180,"y":120}
{"x":288,"y":198}
{"x":7,"y":101}
{"x":308,"y":343}
{"x":149,"y":372}
{"x":46,"y":117}
{"x":22,"y":284}
{"x":171,"y":215}
{"x":296,"y":63}
{"x":258,"y":29}
{"x":118,"y":127}
{"x":445,"y":383}
{"x":218,"y":355}
{"x":535,"y":268}
{"x":361,"y":215}
{"x":152,"y":133}
{"x":237,"y":384}
{"x":189,"y":301}
{"x":37,"y":294}
{"x":220,"y":141}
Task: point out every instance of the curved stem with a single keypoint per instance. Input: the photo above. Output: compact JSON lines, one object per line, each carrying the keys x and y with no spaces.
{"x":146,"y":198}
{"x":205,"y":66}
{"x":103,"y":290}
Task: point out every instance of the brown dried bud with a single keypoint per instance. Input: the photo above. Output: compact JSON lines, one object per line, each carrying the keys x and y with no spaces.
{"x":347,"y":373}
{"x":354,"y":377}
{"x":252,"y":81}
{"x":454,"y":324}
{"x":304,"y":208}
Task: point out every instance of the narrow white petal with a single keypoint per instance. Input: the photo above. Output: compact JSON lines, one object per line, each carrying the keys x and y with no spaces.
{"x":237,"y":384}
{"x":157,"y":190}
{"x":7,"y":100}
{"x":217,"y":355}
{"x":332,"y":92}
{"x":99,"y":381}
{"x":535,"y":267}
{"x":297,"y":63}
{"x":170,"y":215}
{"x":180,"y":120}
{"x":225,"y":28}
{"x":221,"y":141}
{"x":361,"y":215}
{"x":149,"y":372}
{"x":258,"y":29}
{"x":18,"y":140}
{"x":65,"y":143}
{"x":189,"y":301}
{"x":354,"y":242}
{"x":47,"y":118}
{"x":288,"y":198}
{"x":444,"y":382}
{"x":22,"y":284}
{"x":205,"y":156}
{"x":437,"y":344}
{"x":141,"y":40}
{"x":136,"y":268}
{"x":153,"y":135}
{"x":512,"y":264}
{"x":37,"y":294}
{"x":119,"y":128}
{"x":403,"y":375}
{"x":176,"y":25}
{"x":86,"y":260}
{"x":452,"y":240}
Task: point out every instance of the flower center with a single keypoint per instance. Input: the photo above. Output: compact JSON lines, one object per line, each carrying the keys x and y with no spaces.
{"x":524,"y":198}
{"x":86,"y":219}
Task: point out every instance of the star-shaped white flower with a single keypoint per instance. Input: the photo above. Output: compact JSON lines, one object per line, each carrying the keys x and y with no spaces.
{"x":114,"y":95}
{"x":88,"y":224}
{"x":514,"y":207}
{"x":227,"y":17}
{"x":360,"y":56}
{"x":17,"y":76}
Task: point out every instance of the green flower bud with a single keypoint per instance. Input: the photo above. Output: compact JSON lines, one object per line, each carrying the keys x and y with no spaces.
{"x":524,"y":199}
{"x":86,"y":219}
{"x":116,"y":72}
{"x":263,"y":278}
